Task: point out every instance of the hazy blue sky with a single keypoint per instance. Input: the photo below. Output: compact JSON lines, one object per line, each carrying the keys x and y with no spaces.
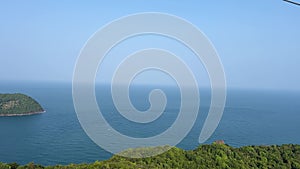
{"x":257,"y":41}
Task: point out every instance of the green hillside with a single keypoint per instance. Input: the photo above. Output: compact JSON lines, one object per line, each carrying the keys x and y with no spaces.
{"x":205,"y":156}
{"x":18,"y":104}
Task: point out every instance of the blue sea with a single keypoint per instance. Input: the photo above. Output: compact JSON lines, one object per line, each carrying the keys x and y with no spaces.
{"x":251,"y":117}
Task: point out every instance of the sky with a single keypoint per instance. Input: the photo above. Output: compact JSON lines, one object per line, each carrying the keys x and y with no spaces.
{"x":257,"y":41}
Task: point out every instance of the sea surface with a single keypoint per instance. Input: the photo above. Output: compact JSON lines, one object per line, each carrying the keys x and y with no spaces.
{"x":251,"y":117}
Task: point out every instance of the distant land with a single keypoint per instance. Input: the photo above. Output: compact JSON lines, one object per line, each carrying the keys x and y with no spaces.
{"x":205,"y":156}
{"x":18,"y":105}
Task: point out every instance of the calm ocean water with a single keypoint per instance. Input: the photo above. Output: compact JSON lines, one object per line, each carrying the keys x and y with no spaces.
{"x":56,"y":137}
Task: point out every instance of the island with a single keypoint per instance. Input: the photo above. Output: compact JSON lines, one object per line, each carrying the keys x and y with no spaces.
{"x":18,"y":104}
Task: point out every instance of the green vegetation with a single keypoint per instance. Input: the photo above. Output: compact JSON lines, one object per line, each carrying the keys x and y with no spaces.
{"x":205,"y":156}
{"x":18,"y":104}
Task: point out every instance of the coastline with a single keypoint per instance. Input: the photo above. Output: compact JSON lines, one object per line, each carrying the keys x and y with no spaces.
{"x":22,"y":114}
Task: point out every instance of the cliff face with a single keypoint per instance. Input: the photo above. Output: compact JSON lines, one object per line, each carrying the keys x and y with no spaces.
{"x":18,"y":104}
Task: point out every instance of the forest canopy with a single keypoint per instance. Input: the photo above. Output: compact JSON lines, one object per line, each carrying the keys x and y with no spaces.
{"x":205,"y":156}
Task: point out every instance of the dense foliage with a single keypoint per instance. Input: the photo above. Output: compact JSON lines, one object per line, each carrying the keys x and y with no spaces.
{"x":14,"y":104}
{"x":205,"y":156}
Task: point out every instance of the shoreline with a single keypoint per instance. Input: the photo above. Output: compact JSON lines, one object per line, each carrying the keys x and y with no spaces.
{"x":22,"y":114}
